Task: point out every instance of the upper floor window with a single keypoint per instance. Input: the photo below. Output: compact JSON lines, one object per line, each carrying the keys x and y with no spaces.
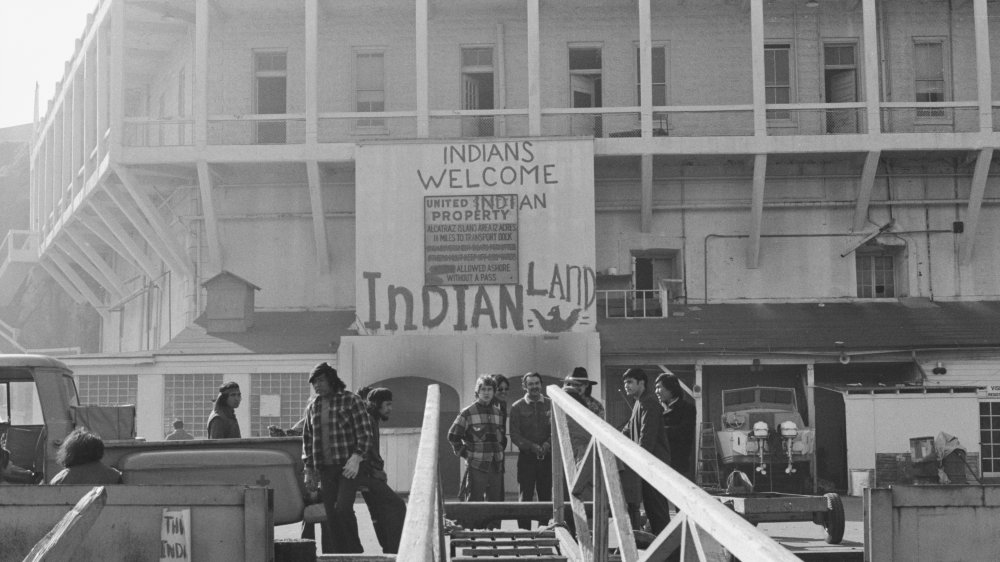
{"x":369,"y":86}
{"x":879,"y":269}
{"x":929,"y":73}
{"x":477,"y":90}
{"x":777,"y":79}
{"x":585,"y":76}
{"x":270,"y":94}
{"x":659,"y":56}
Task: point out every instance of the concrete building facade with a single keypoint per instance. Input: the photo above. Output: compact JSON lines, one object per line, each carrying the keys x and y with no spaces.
{"x":773,"y":192}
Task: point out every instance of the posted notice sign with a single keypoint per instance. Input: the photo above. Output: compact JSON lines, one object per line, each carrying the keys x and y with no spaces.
{"x":470,"y":239}
{"x":175,"y":535}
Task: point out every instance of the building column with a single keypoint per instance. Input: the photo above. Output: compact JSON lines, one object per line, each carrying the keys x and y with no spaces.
{"x":870,"y":48}
{"x":311,"y":58}
{"x":646,"y":195}
{"x":984,"y":76}
{"x":534,"y":71}
{"x":757,"y":67}
{"x":117,"y":70}
{"x":420,"y":50}
{"x":200,"y":82}
{"x":149,"y":393}
{"x":645,"y":71}
{"x":243,"y":412}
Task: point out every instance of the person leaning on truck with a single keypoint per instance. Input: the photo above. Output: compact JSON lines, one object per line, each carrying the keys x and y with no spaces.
{"x":81,"y":453}
{"x":336,"y":437}
{"x":222,"y":423}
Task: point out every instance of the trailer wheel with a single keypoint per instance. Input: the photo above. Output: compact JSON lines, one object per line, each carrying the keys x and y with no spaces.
{"x":834,"y":521}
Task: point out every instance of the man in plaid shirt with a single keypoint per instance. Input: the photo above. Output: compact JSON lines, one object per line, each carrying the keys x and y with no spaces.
{"x":337,"y":437}
{"x":478,"y":436}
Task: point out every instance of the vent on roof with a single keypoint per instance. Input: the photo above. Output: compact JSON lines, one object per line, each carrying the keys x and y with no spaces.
{"x":229,"y":304}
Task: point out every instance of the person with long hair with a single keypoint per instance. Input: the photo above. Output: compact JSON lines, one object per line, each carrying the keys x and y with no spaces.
{"x":81,"y":453}
{"x":679,"y":419}
{"x":222,"y":423}
{"x":477,"y":436}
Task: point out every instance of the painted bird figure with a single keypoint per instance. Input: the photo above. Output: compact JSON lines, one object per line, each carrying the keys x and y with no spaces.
{"x":555,"y":321}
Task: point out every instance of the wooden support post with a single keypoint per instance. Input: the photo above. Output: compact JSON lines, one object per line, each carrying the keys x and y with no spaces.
{"x":645,"y":71}
{"x":865,"y":186}
{"x":318,"y":217}
{"x":756,"y":210}
{"x":976,"y":191}
{"x":211,"y":223}
{"x":869,"y":24}
{"x":984,"y":76}
{"x":646,"y":196}
{"x":66,"y":537}
{"x":160,"y":227}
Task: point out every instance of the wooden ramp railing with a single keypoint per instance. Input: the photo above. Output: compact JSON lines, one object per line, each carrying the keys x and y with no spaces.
{"x":700,"y":515}
{"x":65,"y":538}
{"x":423,"y":530}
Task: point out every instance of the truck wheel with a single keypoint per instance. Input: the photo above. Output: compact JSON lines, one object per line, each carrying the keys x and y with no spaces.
{"x":834,"y":522}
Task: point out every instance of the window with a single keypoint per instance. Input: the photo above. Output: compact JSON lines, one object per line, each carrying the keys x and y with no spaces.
{"x":989,"y":432}
{"x":277,"y":399}
{"x":585,"y":88}
{"x":108,"y":389}
{"x":840,"y":78}
{"x":877,"y":265}
{"x":189,"y":398}
{"x":270,"y":95}
{"x":659,"y":55}
{"x":777,"y":79}
{"x":477,"y":90}
{"x":369,"y":87}
{"x":928,"y":71}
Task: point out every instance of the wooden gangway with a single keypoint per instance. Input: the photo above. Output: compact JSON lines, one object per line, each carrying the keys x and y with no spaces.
{"x":702,"y":522}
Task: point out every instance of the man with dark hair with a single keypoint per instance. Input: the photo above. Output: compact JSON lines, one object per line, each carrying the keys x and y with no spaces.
{"x":222,"y":424}
{"x":388,"y":511}
{"x":178,"y":434}
{"x":336,"y":437}
{"x":679,"y":419}
{"x":477,"y":436}
{"x":531,"y":431}
{"x":81,"y":453}
{"x":645,"y":427}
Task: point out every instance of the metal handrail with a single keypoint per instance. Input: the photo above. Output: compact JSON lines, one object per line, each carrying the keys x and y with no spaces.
{"x":699,"y":515}
{"x":423,"y":537}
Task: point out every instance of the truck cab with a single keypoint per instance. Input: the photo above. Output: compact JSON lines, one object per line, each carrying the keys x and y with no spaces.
{"x":37,"y":397}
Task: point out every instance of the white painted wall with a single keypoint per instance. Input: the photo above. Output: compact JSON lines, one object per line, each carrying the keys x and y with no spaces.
{"x":884,"y":423}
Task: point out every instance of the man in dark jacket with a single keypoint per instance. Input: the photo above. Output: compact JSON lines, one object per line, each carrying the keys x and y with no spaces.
{"x":679,"y":418}
{"x":645,"y":427}
{"x":388,"y":511}
{"x":531,"y":431}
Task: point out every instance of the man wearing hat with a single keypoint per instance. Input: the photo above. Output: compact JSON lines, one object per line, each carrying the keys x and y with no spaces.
{"x":336,"y":437}
{"x":388,"y":510}
{"x":222,"y":423}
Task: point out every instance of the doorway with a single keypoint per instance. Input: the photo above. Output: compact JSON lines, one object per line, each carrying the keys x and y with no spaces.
{"x":840,"y":75}
{"x":477,"y":90}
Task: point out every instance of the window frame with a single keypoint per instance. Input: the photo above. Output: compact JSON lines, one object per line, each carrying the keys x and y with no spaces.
{"x":255,"y":75}
{"x":897,"y":257}
{"x":774,"y":117}
{"x":939,"y":115}
{"x":368,"y":125}
{"x":591,"y":45}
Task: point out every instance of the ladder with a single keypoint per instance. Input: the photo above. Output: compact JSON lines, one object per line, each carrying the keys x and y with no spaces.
{"x":708,"y":457}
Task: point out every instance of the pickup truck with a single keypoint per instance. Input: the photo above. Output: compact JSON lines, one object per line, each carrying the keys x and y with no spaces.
{"x":33,"y":383}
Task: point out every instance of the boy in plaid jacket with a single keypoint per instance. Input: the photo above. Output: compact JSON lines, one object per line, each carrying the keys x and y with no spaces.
{"x":478,"y":436}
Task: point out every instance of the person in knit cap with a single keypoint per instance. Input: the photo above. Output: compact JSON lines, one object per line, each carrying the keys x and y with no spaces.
{"x":388,"y":510}
{"x":222,"y":423}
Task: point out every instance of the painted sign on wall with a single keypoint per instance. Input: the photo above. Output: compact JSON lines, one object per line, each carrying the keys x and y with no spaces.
{"x":476,"y":236}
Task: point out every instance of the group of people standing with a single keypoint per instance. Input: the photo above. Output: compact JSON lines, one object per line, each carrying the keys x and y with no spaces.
{"x":661,"y":422}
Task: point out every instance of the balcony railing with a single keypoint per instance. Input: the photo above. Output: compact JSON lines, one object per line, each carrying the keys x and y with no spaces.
{"x":816,"y":119}
{"x":633,"y":303}
{"x":350,"y":126}
{"x":280,"y":128}
{"x":19,"y":246}
{"x":142,"y":131}
{"x":930,"y":117}
{"x":499,"y":123}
